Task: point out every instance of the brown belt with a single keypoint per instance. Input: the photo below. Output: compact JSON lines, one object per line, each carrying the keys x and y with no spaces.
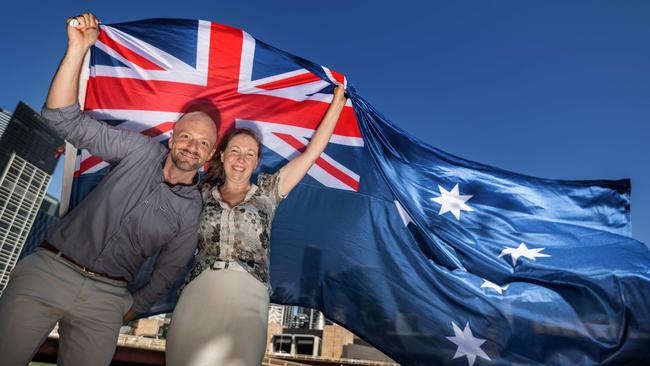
{"x":53,"y":249}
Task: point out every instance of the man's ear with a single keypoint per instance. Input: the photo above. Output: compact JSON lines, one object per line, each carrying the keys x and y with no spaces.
{"x":170,"y":142}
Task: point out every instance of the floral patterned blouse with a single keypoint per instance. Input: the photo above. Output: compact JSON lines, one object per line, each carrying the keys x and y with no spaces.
{"x":240,"y":233}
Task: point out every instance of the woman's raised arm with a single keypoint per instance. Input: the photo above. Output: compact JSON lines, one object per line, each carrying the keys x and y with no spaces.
{"x":295,"y":170}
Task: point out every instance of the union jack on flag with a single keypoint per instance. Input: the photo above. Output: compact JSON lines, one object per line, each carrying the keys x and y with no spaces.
{"x":143,"y":76}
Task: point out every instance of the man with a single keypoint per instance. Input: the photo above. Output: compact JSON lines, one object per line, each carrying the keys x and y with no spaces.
{"x":147,"y":204}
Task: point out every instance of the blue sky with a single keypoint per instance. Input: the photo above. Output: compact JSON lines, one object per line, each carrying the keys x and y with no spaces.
{"x":557,"y":89}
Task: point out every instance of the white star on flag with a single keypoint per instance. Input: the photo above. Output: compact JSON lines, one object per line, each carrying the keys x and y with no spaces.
{"x":494,"y":286}
{"x":468,"y":345}
{"x":522,"y":251}
{"x":452,"y":201}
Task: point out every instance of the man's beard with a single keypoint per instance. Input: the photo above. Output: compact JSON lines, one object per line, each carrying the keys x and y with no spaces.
{"x":181,"y":164}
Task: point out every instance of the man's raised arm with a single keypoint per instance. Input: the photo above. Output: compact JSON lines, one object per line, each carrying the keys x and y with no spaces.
{"x":65,"y":85}
{"x":61,"y":111}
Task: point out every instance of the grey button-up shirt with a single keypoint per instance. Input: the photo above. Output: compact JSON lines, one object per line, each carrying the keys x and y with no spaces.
{"x":132,"y":214}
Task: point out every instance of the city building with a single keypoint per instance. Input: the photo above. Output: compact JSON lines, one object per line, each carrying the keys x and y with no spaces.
{"x":303,"y":332}
{"x":335,"y":337}
{"x":28,"y":157}
{"x":47,"y":215}
{"x":302,"y":318}
{"x":5,"y":116}
{"x":296,"y":344}
{"x":152,"y":327}
{"x":276,"y":314}
{"x":361,"y":350}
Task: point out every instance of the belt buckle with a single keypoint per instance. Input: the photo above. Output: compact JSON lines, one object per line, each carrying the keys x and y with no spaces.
{"x":217,"y":265}
{"x":91,"y":273}
{"x":86,"y":270}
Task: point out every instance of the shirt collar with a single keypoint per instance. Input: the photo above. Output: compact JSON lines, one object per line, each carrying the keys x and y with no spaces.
{"x":217,"y":195}
{"x":178,"y":187}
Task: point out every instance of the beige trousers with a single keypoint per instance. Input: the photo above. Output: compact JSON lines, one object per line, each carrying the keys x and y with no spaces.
{"x":44,"y":288}
{"x":220,"y":319}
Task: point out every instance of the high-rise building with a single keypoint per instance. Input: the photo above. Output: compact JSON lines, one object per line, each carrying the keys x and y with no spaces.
{"x":47,"y":216}
{"x":5,"y":116}
{"x":27,"y":160}
{"x":302,"y":318}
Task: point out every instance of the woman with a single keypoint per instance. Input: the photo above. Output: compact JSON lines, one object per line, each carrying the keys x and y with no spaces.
{"x":221,"y":316}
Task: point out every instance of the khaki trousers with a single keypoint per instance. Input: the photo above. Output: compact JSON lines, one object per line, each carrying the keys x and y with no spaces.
{"x":44,"y":288}
{"x":220,"y":319}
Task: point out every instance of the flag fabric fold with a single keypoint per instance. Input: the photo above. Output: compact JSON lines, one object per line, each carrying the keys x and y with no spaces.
{"x":430,"y":258}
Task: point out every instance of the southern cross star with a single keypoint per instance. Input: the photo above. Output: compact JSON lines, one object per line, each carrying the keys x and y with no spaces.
{"x":523,"y":251}
{"x":494,"y":286}
{"x":468,"y":345}
{"x":452,"y":201}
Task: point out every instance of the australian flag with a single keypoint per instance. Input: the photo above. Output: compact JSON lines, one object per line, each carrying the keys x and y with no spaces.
{"x":431,"y":258}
